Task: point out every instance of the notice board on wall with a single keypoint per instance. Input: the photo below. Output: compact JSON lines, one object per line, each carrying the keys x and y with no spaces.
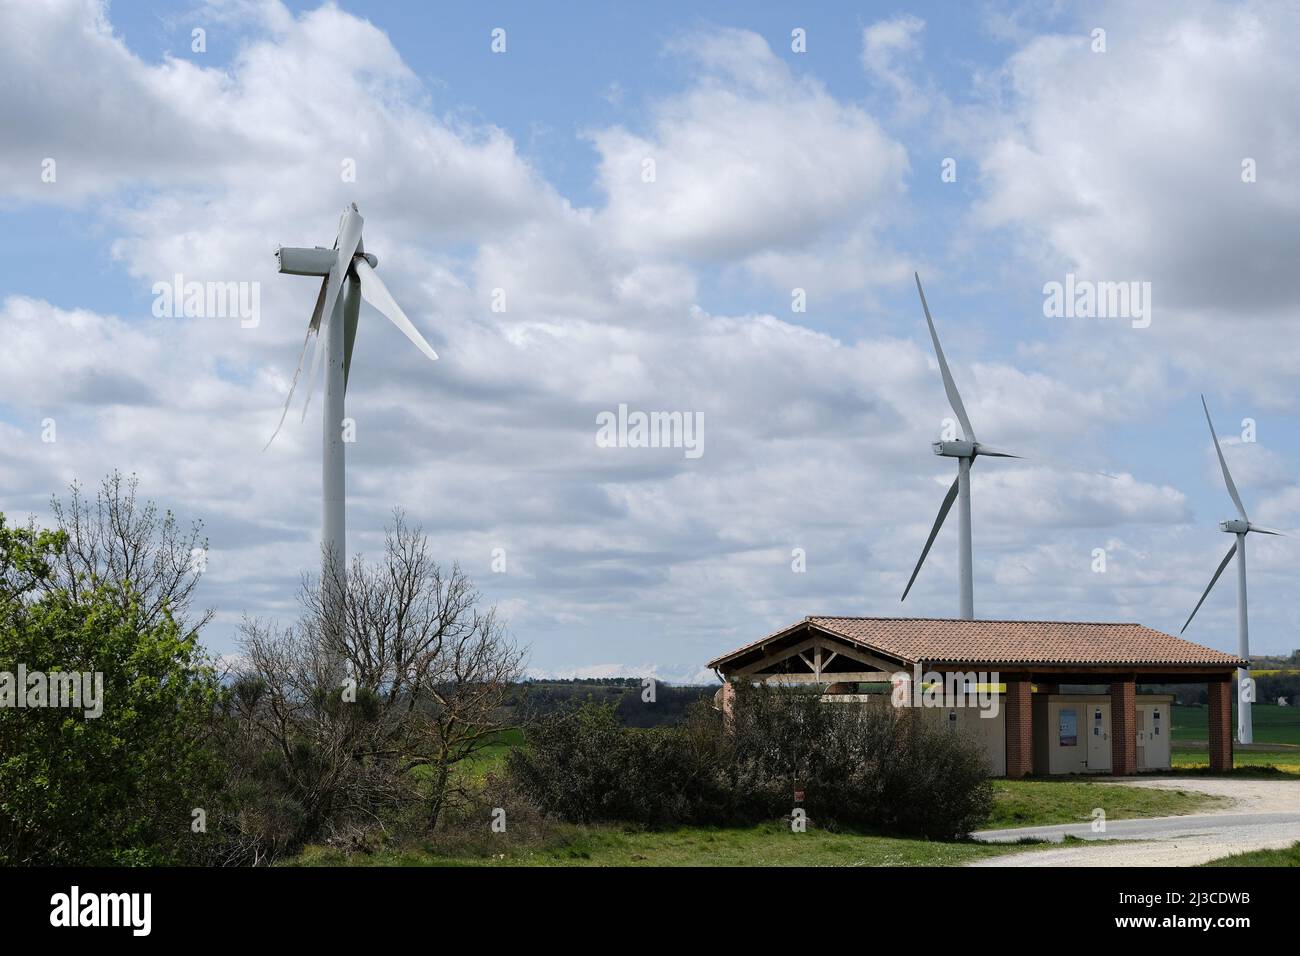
{"x":1069,"y":727}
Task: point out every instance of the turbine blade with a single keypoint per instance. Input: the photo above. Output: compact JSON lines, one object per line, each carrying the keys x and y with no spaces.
{"x":1227,"y":477}
{"x":1263,"y":530}
{"x":317,"y":353}
{"x":345,"y":247}
{"x":1054,"y":463}
{"x":991,"y":452}
{"x":949,"y":386}
{"x":316,"y":318}
{"x":1222,"y":564}
{"x":938,"y":523}
{"x":351,"y":318}
{"x":376,"y":293}
{"x":292,"y":385}
{"x":320,"y":304}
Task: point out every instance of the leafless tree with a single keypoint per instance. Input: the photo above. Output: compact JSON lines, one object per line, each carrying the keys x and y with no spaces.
{"x":124,"y":542}
{"x":371,"y":701}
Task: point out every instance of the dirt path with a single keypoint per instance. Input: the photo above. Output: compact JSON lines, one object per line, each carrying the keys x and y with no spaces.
{"x":1264,"y":814}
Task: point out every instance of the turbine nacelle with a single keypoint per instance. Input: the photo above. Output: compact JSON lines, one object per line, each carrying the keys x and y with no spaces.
{"x":1235,"y":526}
{"x":317,"y":261}
{"x":955,"y":449}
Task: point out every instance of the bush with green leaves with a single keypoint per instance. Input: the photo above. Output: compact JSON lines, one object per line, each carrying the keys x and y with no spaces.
{"x":582,"y":765}
{"x":120,"y":788}
{"x":860,"y":766}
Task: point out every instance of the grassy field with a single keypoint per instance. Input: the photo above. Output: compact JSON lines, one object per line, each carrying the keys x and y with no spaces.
{"x":493,"y":756}
{"x":1017,"y":803}
{"x":1287,"y":857}
{"x":1031,"y":803}
{"x":1272,"y":724}
{"x":1277,"y":740}
{"x":771,"y":844}
{"x":1263,"y":761}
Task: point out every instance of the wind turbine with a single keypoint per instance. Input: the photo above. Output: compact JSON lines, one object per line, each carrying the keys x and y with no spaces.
{"x":965,"y":451}
{"x":1239,"y":526}
{"x":348,"y":275}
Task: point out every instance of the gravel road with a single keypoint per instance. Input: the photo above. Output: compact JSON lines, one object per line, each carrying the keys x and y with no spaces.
{"x":1264,"y":814}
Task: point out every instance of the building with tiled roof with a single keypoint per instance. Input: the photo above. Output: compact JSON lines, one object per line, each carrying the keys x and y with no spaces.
{"x":1037,"y":729}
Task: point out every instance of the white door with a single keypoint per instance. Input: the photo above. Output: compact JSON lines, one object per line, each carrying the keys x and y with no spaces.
{"x":1098,"y":737}
{"x":1157,"y":744}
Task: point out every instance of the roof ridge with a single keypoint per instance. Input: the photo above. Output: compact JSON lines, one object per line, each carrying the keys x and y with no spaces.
{"x":960,"y":620}
{"x":1005,"y":641}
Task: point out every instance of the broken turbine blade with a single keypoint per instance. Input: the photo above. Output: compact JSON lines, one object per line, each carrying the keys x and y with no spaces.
{"x":292,"y":385}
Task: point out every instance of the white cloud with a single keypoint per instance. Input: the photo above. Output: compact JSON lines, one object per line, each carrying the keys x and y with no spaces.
{"x":888,"y":46}
{"x":748,"y":160}
{"x":1127,"y":165}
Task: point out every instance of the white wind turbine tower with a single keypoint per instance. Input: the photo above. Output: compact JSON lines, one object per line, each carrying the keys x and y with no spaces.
{"x":348,"y":275}
{"x":965,"y":451}
{"x":1239,"y":526}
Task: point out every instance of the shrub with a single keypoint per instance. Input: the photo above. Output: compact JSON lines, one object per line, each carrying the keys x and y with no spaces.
{"x":341,"y":725}
{"x":857,"y":766}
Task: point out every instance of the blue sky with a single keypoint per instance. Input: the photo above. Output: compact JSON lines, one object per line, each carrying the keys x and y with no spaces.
{"x":818,"y":170}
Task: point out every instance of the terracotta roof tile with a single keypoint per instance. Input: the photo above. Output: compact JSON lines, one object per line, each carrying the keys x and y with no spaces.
{"x":942,"y":640}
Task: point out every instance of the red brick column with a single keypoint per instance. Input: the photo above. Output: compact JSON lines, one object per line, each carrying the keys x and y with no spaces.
{"x":1123,"y":726}
{"x":1221,"y":724}
{"x":1020,"y":725}
{"x":725,"y":701}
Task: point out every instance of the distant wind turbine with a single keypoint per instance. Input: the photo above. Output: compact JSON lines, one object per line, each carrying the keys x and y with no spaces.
{"x":965,"y":451}
{"x":348,"y":275}
{"x":1240,"y":526}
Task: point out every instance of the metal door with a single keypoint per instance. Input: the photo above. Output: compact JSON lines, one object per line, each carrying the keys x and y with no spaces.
{"x":1098,"y":737}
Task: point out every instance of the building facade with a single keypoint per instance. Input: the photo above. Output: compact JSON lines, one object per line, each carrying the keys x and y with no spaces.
{"x":1001,"y":682}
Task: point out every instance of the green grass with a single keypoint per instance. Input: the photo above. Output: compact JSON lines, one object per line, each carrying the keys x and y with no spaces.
{"x":492,"y":758}
{"x":771,"y":844}
{"x":1276,"y":748}
{"x":1290,"y":856}
{"x":1040,"y":802}
{"x":1195,"y":757}
{"x":1018,"y":803}
{"x":1272,"y":724}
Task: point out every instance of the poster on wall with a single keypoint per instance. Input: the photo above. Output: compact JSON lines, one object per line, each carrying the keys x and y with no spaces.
{"x":1069,"y":728}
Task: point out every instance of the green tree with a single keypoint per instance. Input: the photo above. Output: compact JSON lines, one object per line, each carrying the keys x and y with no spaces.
{"x":118,"y":788}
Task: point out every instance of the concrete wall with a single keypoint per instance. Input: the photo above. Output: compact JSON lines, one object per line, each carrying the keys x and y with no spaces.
{"x":989,"y":733}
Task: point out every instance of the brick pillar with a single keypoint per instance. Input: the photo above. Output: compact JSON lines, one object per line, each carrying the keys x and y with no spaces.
{"x":1220,"y":724}
{"x":1020,"y":725}
{"x":725,"y":701}
{"x":1123,"y":726}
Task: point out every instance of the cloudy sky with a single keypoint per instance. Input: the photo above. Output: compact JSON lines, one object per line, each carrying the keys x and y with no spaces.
{"x":618,"y":208}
